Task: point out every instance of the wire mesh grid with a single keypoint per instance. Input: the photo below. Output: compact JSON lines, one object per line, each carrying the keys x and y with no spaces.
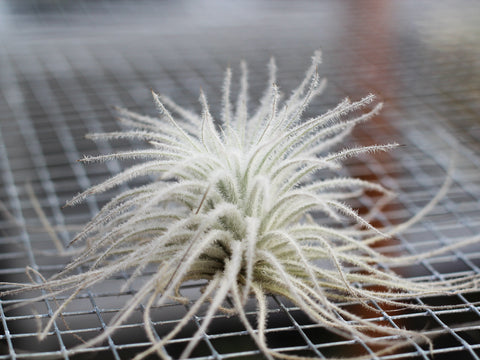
{"x":63,"y":65}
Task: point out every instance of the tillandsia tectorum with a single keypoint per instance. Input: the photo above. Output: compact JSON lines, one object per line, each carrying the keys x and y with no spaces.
{"x":232,"y":204}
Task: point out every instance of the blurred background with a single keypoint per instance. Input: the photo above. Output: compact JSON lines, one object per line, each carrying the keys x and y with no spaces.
{"x":64,"y":64}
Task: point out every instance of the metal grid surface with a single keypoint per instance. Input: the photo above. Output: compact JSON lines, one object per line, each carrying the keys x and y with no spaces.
{"x":63,"y":64}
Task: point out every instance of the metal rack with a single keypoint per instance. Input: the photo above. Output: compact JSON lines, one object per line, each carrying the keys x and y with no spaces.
{"x":64,"y":64}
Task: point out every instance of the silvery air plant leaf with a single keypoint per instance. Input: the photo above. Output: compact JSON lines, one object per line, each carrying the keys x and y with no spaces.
{"x":232,"y":204}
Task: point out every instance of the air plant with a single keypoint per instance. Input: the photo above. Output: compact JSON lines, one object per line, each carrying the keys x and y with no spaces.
{"x":235,"y":202}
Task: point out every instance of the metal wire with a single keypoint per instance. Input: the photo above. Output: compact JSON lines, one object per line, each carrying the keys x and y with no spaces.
{"x":64,"y":64}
